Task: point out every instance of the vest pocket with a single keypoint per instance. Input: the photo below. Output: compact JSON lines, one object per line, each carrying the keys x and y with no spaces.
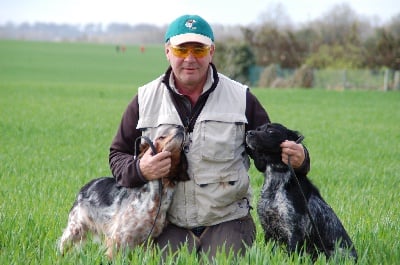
{"x":209,"y":199}
{"x":219,"y":140}
{"x":219,"y":191}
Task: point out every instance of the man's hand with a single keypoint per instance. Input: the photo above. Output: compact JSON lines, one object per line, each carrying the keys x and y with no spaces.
{"x":155,"y":166}
{"x":295,"y":151}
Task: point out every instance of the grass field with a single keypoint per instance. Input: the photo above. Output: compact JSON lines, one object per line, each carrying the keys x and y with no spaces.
{"x":60,"y":105}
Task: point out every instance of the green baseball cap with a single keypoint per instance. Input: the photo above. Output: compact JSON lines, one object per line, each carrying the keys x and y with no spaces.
{"x":189,"y":28}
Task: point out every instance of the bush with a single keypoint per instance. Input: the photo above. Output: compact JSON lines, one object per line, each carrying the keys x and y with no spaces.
{"x":268,"y":75}
{"x":303,"y":77}
{"x":234,"y":59}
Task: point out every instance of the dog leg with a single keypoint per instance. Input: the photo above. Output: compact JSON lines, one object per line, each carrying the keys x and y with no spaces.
{"x":330,"y":229}
{"x":111,"y":247}
{"x":131,"y":226}
{"x":75,"y":231}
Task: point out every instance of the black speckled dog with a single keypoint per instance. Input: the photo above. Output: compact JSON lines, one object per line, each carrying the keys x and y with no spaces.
{"x":283,"y":210}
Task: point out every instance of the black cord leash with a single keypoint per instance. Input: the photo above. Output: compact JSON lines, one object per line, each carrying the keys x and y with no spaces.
{"x":154,"y":150}
{"x":148,"y":141}
{"x":301,"y":138}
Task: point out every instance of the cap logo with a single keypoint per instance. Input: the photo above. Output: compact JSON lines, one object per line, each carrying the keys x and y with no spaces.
{"x":190,"y":24}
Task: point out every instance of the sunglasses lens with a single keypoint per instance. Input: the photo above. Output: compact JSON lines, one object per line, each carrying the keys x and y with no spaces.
{"x":200,"y":51}
{"x":180,"y":51}
{"x":196,"y":51}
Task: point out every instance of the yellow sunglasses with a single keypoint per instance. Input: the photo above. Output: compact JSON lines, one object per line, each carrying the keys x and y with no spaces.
{"x":196,"y":51}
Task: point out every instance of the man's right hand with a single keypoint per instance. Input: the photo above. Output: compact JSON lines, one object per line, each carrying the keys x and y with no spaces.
{"x":155,"y":166}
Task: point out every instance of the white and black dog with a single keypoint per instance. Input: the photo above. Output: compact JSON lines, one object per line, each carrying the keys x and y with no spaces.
{"x":127,"y":217}
{"x":290,"y":207}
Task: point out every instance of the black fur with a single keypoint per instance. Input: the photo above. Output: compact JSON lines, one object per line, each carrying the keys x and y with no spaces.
{"x":282,"y":208}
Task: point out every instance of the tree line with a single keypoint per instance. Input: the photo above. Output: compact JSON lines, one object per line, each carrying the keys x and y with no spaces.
{"x":340,"y":39}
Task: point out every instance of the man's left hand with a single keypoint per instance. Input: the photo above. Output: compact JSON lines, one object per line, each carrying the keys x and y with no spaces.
{"x":295,"y":151}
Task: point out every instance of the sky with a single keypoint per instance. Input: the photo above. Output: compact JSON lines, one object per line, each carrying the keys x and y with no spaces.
{"x":161,"y":12}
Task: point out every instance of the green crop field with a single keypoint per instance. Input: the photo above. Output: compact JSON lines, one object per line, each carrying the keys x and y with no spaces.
{"x":60,"y":105}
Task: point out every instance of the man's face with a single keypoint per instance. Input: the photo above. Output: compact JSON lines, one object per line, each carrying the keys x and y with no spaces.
{"x":189,"y":62}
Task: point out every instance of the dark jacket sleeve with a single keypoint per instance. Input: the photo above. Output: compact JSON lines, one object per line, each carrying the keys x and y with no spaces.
{"x":121,"y":158}
{"x":256,"y":115}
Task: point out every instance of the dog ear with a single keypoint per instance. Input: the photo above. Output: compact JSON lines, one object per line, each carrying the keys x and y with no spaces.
{"x":294,"y":135}
{"x":260,"y":162}
{"x":178,"y":170}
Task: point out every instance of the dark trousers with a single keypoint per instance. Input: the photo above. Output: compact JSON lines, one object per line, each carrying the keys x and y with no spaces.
{"x":235,"y":234}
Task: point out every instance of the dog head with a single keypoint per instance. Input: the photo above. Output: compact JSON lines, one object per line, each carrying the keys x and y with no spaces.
{"x":264,"y":143}
{"x":171,"y":139}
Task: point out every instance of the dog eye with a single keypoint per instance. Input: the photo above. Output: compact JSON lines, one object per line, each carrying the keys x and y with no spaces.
{"x":161,"y":137}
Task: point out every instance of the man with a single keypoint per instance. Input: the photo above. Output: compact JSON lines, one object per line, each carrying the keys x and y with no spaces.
{"x":210,"y":210}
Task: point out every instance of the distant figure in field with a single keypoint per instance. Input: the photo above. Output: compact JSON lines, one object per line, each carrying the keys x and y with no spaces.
{"x":120,"y":48}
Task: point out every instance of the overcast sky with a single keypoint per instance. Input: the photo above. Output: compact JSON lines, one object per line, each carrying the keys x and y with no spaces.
{"x":161,"y":12}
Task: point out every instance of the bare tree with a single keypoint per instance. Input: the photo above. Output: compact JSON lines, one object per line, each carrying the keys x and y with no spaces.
{"x":276,"y":16}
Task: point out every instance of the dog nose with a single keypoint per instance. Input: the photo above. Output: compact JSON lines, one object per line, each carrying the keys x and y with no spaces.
{"x":250,"y":133}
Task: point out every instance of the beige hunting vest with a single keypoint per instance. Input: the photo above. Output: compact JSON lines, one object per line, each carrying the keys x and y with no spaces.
{"x":218,"y":189}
